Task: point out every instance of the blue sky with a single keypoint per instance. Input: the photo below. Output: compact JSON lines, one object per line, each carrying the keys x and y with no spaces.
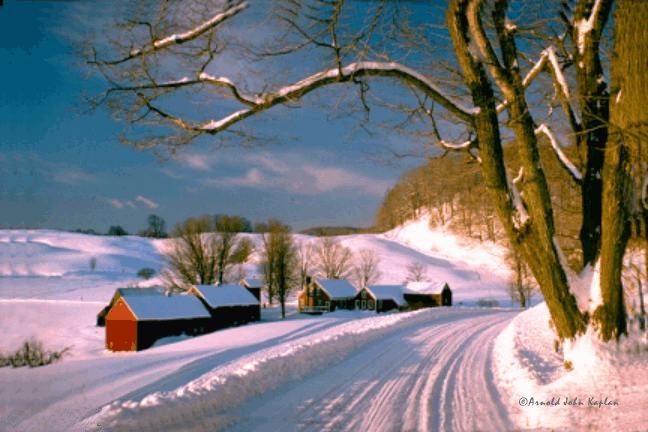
{"x":63,"y":167}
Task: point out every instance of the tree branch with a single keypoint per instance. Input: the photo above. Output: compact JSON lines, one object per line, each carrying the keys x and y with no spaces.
{"x":562,"y":157}
{"x":179,"y":38}
{"x":293,"y":92}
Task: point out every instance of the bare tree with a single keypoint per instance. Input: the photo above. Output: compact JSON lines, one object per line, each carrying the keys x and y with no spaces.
{"x":332,"y":259}
{"x":304,"y":261}
{"x":200,"y":255}
{"x":192,"y":259}
{"x":493,"y":102}
{"x":280,"y":262}
{"x":156,"y":227}
{"x":416,"y":272}
{"x":366,"y":268}
{"x":230,"y":246}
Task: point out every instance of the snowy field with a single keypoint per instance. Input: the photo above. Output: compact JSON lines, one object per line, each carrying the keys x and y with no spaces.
{"x":436,"y":369}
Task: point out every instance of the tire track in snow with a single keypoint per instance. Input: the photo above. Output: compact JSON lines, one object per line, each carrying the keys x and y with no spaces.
{"x":402,"y":382}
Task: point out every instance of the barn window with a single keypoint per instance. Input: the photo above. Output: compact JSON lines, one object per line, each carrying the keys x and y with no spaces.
{"x":370,"y":304}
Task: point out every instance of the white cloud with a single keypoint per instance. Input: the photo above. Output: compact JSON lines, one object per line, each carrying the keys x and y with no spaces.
{"x":120,"y":204}
{"x":132,"y":204}
{"x":296,"y":175}
{"x":252,"y":178}
{"x":199,"y":162}
{"x":147,"y":202}
{"x":70,"y":176}
{"x":331,"y":178}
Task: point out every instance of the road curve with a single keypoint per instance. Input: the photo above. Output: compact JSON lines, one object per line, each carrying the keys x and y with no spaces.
{"x":431,"y":376}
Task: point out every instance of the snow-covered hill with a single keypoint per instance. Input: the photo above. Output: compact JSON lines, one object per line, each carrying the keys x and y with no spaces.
{"x":50,"y":291}
{"x":48,"y":264}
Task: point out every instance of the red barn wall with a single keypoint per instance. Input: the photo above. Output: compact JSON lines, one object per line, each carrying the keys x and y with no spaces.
{"x":121,"y":328}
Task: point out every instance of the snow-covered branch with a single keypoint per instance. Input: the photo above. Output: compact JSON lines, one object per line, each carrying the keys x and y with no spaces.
{"x":232,"y":9}
{"x":520,"y":217}
{"x":586,"y":25}
{"x":533,"y":73}
{"x":335,"y":75}
{"x":202,"y":78}
{"x":562,"y":157}
{"x":549,"y":60}
{"x":562,"y":87}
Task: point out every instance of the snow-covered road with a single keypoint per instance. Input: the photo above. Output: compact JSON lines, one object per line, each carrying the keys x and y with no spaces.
{"x":431,"y":376}
{"x":418,"y":371}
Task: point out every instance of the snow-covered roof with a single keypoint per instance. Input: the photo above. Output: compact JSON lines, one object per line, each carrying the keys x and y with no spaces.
{"x":337,"y":288}
{"x":253,"y":283}
{"x":389,"y":292}
{"x":426,"y":287}
{"x":160,"y":308}
{"x":226,"y":295}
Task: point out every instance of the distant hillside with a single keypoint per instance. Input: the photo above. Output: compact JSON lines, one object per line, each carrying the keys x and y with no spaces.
{"x":451,"y":191}
{"x":325,"y":231}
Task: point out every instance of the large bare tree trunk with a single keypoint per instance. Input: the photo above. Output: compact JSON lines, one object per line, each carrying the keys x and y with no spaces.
{"x":532,"y":235}
{"x":622,"y":169}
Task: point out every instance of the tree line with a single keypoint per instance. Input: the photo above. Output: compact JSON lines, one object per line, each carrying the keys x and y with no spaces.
{"x":210,"y":250}
{"x":452,"y":191}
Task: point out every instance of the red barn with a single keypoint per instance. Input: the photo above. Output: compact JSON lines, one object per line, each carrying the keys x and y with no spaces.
{"x":135,"y":322}
{"x":101,"y":316}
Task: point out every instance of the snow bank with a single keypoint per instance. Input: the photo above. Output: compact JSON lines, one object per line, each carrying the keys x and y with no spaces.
{"x":196,"y":405}
{"x":606,"y":384}
{"x":58,"y":324}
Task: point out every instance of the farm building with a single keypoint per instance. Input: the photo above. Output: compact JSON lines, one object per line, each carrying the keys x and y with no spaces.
{"x":254,"y":286}
{"x":101,"y":316}
{"x":228,"y":304}
{"x":135,"y":322}
{"x":381,"y":298}
{"x":428,"y":294}
{"x":326,"y":295}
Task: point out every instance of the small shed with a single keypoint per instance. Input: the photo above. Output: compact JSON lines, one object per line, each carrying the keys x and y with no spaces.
{"x":135,"y":322}
{"x":326,"y":295}
{"x":119,"y":292}
{"x":381,"y":298}
{"x":428,"y":294}
{"x":228,"y":304}
{"x":254,"y":286}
